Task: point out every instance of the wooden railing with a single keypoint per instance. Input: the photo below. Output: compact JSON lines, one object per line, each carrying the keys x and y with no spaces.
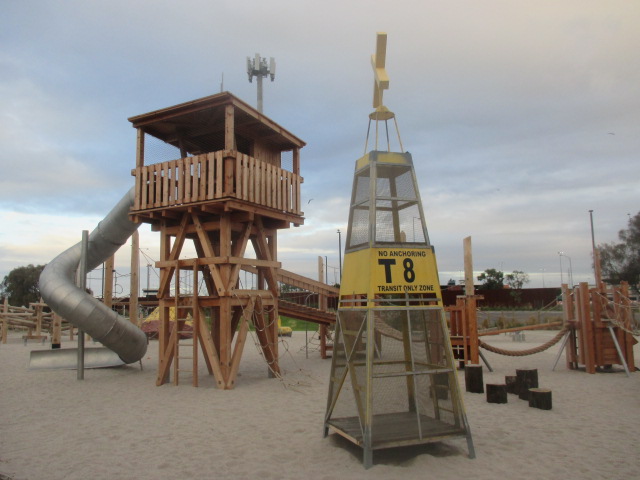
{"x":213,"y":176}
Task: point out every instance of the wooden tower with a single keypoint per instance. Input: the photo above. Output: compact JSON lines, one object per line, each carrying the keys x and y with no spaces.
{"x":214,"y":176}
{"x":393,"y":381}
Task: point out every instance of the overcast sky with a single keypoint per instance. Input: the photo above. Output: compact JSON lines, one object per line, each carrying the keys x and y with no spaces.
{"x":520,"y":116}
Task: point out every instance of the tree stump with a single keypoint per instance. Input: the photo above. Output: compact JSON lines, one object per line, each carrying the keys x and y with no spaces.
{"x":473,"y":378}
{"x":512,"y":383}
{"x":496,"y":393}
{"x":526,"y":378}
{"x":540,"y":398}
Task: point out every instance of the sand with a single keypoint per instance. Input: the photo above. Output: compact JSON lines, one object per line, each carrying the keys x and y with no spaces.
{"x":117,"y":424}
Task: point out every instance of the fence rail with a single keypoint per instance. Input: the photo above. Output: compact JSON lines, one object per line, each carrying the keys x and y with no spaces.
{"x":213,"y":176}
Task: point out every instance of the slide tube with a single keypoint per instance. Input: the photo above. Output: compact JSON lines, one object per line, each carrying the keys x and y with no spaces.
{"x":59,"y":291}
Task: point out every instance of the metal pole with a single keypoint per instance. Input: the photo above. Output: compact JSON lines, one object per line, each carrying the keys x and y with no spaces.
{"x":593,"y":247}
{"x":259,"y":93}
{"x":340,"y":256}
{"x":561,"y":277}
{"x":81,"y":280}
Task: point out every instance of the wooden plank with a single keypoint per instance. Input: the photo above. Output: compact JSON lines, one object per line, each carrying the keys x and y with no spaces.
{"x":269,"y":184}
{"x":139,"y":148}
{"x":138,"y":189}
{"x":180,"y":173}
{"x":229,"y":128}
{"x":187,"y":179}
{"x":245,"y":177}
{"x":211,"y":162}
{"x":165,"y":184}
{"x":219,"y":175}
{"x":279,"y":191}
{"x":166,"y":345}
{"x":211,"y":356}
{"x":296,"y":161}
{"x":144,"y":187}
{"x":204,"y":164}
{"x":176,"y":248}
{"x":171,"y":178}
{"x":240,"y":342}
{"x":251,"y":180}
{"x":238,"y":252}
{"x":157,"y":175}
{"x":195,"y":179}
{"x":238,"y":180}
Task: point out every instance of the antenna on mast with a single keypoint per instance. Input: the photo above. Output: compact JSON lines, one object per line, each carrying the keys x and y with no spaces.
{"x":258,"y":67}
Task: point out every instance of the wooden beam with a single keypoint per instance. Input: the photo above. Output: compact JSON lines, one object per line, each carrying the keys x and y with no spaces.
{"x":107,"y":293}
{"x":135,"y":282}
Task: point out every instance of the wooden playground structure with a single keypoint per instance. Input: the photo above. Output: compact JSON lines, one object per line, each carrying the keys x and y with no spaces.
{"x":600,"y":327}
{"x":234,"y":181}
{"x":596,"y":331}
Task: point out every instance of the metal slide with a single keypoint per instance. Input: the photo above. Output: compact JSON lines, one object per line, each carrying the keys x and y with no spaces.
{"x":59,"y":291}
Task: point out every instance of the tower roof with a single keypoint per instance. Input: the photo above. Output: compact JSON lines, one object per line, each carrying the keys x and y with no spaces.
{"x":193,"y":122}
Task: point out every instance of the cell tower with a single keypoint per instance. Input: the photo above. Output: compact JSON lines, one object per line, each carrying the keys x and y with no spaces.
{"x":258,"y":67}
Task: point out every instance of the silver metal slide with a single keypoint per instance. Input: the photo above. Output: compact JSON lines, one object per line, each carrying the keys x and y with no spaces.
{"x":59,"y":291}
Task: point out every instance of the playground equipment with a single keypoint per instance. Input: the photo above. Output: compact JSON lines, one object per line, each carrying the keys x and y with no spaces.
{"x":393,"y":382}
{"x":600,"y":327}
{"x":59,"y":291}
{"x":33,"y":318}
{"x":231,"y":178}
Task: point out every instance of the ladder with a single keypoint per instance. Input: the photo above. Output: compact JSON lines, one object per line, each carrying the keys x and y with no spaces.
{"x":186,"y":349}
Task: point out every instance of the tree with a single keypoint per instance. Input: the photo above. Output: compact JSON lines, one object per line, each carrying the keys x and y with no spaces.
{"x":21,"y":285}
{"x":621,"y":261}
{"x":517,"y":279}
{"x":492,"y":279}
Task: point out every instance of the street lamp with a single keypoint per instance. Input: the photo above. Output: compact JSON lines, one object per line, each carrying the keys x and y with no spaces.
{"x":570,"y":271}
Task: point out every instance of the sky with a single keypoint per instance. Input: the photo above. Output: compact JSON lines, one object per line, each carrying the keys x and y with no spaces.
{"x":520,"y":117}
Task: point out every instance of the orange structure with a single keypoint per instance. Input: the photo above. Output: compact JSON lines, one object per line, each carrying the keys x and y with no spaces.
{"x":231,"y":179}
{"x":463,"y":330}
{"x":600,"y":327}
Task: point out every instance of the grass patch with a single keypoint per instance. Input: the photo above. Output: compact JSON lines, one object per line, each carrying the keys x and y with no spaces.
{"x":298,"y":325}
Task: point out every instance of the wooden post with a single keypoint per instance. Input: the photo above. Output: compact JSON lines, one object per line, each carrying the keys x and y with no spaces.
{"x":56,"y":331}
{"x":135,"y":282}
{"x":526,"y":378}
{"x":5,"y":320}
{"x":469,"y":288}
{"x":496,"y":393}
{"x":540,"y":398}
{"x":107,"y":292}
{"x":586,"y":325}
{"x":473,"y":378}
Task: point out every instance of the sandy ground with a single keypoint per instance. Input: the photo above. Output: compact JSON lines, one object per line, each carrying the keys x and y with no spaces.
{"x":117,"y":424}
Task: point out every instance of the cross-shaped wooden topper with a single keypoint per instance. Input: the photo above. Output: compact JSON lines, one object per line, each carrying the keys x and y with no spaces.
{"x":381,"y":79}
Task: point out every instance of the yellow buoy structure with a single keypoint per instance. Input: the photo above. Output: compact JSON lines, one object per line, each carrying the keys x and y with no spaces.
{"x":393,"y":382}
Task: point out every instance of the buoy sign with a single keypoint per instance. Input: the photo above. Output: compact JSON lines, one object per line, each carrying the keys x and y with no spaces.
{"x":405,"y":270}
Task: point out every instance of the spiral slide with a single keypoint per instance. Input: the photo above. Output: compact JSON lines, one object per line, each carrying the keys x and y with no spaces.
{"x":59,"y":291}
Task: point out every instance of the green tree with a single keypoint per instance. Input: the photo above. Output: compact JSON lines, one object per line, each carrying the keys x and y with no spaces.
{"x":621,"y":261}
{"x":21,"y":285}
{"x":517,"y":279}
{"x":492,"y":279}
